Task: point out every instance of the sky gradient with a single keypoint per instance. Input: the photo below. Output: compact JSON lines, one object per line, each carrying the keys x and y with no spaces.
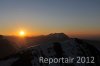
{"x":36,"y":17}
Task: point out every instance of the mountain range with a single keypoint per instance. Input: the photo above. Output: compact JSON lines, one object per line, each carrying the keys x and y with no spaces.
{"x":54,"y":45}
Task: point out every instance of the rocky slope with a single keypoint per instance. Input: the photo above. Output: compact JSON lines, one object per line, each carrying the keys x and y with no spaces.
{"x":70,"y":47}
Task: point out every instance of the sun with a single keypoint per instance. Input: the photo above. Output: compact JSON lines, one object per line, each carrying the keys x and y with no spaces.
{"x":22,"y":33}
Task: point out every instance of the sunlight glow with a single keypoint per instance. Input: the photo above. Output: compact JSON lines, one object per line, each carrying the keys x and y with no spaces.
{"x":22,"y":33}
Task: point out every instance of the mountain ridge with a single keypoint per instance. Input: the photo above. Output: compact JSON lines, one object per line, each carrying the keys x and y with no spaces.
{"x":69,"y":47}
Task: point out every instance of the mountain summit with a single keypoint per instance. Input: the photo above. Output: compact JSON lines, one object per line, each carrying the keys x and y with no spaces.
{"x":81,"y":52}
{"x":58,"y":35}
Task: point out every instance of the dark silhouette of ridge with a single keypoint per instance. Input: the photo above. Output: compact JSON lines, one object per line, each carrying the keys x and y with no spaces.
{"x":54,"y":45}
{"x":6,"y":48}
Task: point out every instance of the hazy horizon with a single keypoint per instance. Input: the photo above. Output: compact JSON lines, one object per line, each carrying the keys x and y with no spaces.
{"x":75,"y":18}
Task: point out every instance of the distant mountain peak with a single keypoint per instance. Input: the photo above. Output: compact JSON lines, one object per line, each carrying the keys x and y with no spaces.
{"x":58,"y":35}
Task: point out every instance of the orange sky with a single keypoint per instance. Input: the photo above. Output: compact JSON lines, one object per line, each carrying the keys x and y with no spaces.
{"x":75,"y":18}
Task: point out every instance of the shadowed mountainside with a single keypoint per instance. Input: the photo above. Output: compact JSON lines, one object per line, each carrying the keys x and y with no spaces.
{"x":54,"y":46}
